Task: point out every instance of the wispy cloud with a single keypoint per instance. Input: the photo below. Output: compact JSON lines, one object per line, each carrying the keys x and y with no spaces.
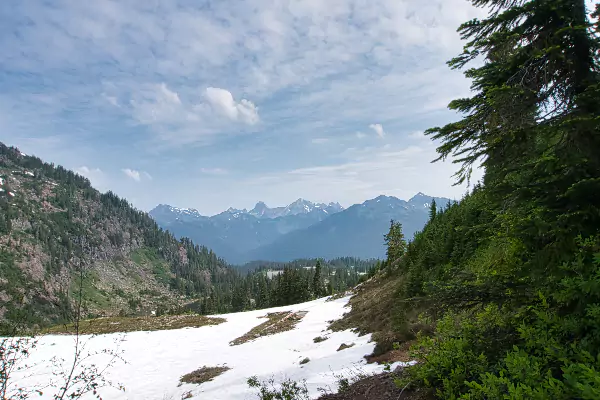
{"x":87,"y":172}
{"x":168,"y":85}
{"x":378,"y":130}
{"x":397,"y":171}
{"x":136,"y":175}
{"x":95,"y":175}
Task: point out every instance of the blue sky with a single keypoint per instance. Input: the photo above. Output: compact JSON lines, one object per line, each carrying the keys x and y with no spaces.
{"x":217,"y":104}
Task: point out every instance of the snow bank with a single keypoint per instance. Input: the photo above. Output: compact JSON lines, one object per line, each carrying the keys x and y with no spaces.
{"x":156,"y":360}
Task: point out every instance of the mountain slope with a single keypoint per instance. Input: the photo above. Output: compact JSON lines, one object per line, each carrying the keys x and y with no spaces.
{"x":52,"y":223}
{"x":233,"y":233}
{"x":356,"y":232}
{"x":302,"y":229}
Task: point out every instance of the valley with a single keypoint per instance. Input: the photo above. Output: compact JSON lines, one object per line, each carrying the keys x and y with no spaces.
{"x":110,"y":108}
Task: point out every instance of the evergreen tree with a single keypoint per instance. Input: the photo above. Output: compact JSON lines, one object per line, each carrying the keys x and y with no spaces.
{"x":316,"y":282}
{"x":509,"y":272}
{"x":394,"y":240}
{"x":432,"y":210}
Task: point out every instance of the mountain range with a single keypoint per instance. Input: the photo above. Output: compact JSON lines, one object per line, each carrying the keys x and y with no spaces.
{"x":301,"y":229}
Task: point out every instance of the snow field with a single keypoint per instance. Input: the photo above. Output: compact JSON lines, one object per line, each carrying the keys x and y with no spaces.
{"x":156,"y":360}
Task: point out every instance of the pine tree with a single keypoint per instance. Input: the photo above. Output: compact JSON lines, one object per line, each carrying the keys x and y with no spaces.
{"x":533,"y":121}
{"x":316,"y":283}
{"x":394,"y":240}
{"x":432,"y":210}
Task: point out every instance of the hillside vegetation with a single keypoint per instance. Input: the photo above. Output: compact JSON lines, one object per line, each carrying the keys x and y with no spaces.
{"x":502,"y":291}
{"x":53,"y":224}
{"x":60,"y":236}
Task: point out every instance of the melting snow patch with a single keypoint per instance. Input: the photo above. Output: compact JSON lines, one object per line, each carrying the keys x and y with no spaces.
{"x":11,"y":194}
{"x":29,"y":173}
{"x":156,"y":360}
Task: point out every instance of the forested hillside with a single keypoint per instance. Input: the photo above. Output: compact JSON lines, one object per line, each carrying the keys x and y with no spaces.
{"x":53,"y":224}
{"x":57,"y":233}
{"x":504,"y":287}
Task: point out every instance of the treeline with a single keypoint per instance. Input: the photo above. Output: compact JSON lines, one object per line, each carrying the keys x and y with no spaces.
{"x":281,"y":284}
{"x":508,"y":280}
{"x":357,"y":264}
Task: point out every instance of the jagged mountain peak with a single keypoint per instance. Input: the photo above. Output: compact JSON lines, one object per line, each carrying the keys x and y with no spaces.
{"x":260,"y":206}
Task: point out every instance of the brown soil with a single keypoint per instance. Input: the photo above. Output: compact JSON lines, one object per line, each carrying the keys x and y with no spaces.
{"x":276,"y":322}
{"x":378,"y":387}
{"x":401,"y":354}
{"x":373,"y":309}
{"x":203,"y":374}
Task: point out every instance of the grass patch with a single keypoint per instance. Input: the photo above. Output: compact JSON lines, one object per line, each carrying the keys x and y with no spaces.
{"x":375,"y":308}
{"x":145,"y":256}
{"x":203,"y":374}
{"x":132,"y":324}
{"x":92,"y":295}
{"x":320,"y":339}
{"x":276,"y":322}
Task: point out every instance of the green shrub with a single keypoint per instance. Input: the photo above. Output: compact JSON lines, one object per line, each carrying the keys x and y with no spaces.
{"x":287,"y":390}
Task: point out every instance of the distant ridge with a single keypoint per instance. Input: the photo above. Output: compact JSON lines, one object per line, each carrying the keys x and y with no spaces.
{"x":301,"y":229}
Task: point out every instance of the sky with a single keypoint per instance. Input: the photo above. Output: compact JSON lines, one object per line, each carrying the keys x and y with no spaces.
{"x":218,"y":104}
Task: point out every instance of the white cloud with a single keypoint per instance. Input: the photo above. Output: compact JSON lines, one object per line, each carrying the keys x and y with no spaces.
{"x":378,"y":129}
{"x":95,"y":175}
{"x":316,"y":68}
{"x":133,"y":174}
{"x":222,"y":101}
{"x":87,"y":172}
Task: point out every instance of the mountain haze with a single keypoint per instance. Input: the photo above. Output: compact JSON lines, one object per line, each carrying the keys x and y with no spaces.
{"x":233,"y":232}
{"x":301,"y":229}
{"x":355,"y":232}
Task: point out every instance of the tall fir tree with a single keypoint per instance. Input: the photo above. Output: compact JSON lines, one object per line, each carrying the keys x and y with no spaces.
{"x":316,"y":283}
{"x":394,"y":240}
{"x":432,"y":210}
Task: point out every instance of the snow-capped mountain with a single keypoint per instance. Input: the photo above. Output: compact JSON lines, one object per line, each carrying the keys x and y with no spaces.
{"x":234,"y":232}
{"x":300,"y":206}
{"x":166,"y":212}
{"x":301,"y":229}
{"x":356,"y":231}
{"x":261,"y":211}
